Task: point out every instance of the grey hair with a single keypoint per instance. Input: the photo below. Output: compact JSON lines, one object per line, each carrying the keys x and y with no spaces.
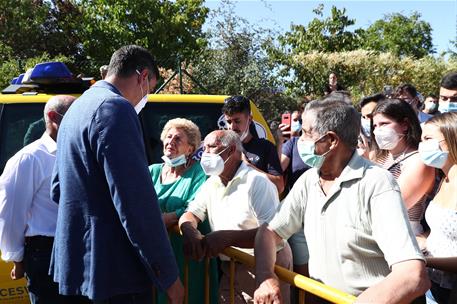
{"x":343,"y":96}
{"x":59,"y":104}
{"x":229,"y":138}
{"x":189,"y":127}
{"x":336,"y":116}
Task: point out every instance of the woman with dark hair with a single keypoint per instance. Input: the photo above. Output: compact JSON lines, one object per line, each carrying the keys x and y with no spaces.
{"x":397,"y":134}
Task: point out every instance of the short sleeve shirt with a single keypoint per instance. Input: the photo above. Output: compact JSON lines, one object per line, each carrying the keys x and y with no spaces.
{"x":356,"y":232}
{"x":263,"y":155}
{"x":249,"y":200}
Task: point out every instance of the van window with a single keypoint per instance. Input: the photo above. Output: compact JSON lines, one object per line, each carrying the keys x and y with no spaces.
{"x":23,"y":123}
{"x":17,"y":121}
{"x":155,"y":115}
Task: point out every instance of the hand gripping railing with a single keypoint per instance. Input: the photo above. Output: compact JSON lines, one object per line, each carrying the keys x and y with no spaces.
{"x":303,"y":283}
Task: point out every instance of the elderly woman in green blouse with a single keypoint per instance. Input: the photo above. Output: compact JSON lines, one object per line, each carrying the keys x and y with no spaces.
{"x":176,"y":181}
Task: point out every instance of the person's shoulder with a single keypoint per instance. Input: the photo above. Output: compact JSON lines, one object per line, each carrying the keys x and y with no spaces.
{"x":292,"y":141}
{"x":25,"y":156}
{"x":376,"y":176}
{"x":307,"y":176}
{"x":155,"y":169}
{"x":197,"y":169}
{"x":115,"y":108}
{"x":257,"y":178}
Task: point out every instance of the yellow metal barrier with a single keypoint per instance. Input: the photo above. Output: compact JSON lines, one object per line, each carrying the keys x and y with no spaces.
{"x":303,"y":283}
{"x":309,"y":285}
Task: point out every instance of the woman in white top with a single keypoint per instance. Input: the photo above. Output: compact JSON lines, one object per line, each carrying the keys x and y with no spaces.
{"x":439,"y":149}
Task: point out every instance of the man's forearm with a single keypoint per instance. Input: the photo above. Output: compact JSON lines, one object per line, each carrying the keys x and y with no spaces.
{"x":277,"y":180}
{"x":189,"y":219}
{"x":265,"y":253}
{"x":242,"y":238}
{"x":448,"y":264}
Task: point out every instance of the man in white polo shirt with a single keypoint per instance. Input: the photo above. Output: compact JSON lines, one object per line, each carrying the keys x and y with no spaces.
{"x":355,"y":223}
{"x":237,"y":199}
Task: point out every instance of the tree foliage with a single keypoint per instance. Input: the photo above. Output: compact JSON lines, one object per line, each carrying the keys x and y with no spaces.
{"x":32,"y":27}
{"x":235,"y":62}
{"x":168,"y":28}
{"x":396,"y":33}
{"x":400,"y":35}
{"x":88,"y":31}
{"x":12,"y":67}
{"x":327,"y":35}
{"x":366,"y":72}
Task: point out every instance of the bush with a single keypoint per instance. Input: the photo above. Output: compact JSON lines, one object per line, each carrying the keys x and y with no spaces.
{"x":365,"y":72}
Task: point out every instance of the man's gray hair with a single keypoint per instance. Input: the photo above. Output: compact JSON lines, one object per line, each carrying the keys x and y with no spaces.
{"x":59,"y":104}
{"x":229,"y":138}
{"x":336,"y":116}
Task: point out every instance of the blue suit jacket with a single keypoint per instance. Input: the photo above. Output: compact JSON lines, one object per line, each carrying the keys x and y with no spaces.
{"x":110,"y":238}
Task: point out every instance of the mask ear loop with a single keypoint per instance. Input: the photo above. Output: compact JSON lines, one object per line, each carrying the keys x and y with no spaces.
{"x":324,"y":154}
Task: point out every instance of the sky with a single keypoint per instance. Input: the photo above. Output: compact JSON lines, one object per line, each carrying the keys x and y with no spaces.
{"x":442,"y":15}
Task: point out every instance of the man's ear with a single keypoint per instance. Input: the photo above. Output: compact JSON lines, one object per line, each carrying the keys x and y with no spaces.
{"x":54,"y":117}
{"x":334,"y":139}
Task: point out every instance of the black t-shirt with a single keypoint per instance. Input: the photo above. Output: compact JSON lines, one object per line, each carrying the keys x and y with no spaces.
{"x":263,"y":155}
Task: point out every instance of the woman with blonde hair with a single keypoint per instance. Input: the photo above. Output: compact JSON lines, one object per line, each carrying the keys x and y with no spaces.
{"x":176,"y":182}
{"x":438,"y":149}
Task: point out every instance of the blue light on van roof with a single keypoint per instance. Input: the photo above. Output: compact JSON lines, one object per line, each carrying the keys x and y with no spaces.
{"x":14,"y":80}
{"x":50,"y":70}
{"x":19,"y":78}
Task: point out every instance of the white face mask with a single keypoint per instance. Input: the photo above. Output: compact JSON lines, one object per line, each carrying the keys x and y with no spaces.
{"x":386,"y":138}
{"x":139,"y":106}
{"x":431,"y":106}
{"x":245,"y":133}
{"x":175,"y":162}
{"x":213,"y":164}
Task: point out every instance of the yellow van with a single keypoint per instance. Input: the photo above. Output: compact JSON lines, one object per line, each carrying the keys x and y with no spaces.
{"x":21,"y":122}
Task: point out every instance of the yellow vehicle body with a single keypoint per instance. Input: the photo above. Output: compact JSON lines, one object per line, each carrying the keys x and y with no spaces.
{"x":202,"y":107}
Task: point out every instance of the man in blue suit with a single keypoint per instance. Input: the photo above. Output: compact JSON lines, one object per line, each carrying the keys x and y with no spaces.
{"x":110,"y":245}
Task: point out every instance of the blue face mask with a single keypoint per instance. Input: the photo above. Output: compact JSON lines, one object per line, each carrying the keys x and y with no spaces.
{"x":431,"y":154}
{"x":306,"y":151}
{"x":295,"y":126}
{"x":447,"y":107}
{"x":175,"y":162}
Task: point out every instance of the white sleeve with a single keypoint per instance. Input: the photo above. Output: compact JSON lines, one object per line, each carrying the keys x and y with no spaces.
{"x":263,"y":199}
{"x":17,"y":189}
{"x":289,"y":218}
{"x":199,"y":206}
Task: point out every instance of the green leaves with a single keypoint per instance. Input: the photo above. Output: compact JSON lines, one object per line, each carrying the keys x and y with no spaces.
{"x":366,"y":72}
{"x":89,"y":31}
{"x":400,"y":35}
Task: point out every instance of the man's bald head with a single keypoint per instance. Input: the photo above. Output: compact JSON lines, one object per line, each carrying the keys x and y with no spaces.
{"x":58,"y":104}
{"x":224,"y":138}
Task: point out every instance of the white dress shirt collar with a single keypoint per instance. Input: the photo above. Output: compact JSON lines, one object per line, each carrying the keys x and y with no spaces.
{"x":49,"y":143}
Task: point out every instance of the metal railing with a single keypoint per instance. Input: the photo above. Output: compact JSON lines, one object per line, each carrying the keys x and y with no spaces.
{"x":302,"y":283}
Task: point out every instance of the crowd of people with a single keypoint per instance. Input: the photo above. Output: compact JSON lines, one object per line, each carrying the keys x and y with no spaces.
{"x":362,"y":198}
